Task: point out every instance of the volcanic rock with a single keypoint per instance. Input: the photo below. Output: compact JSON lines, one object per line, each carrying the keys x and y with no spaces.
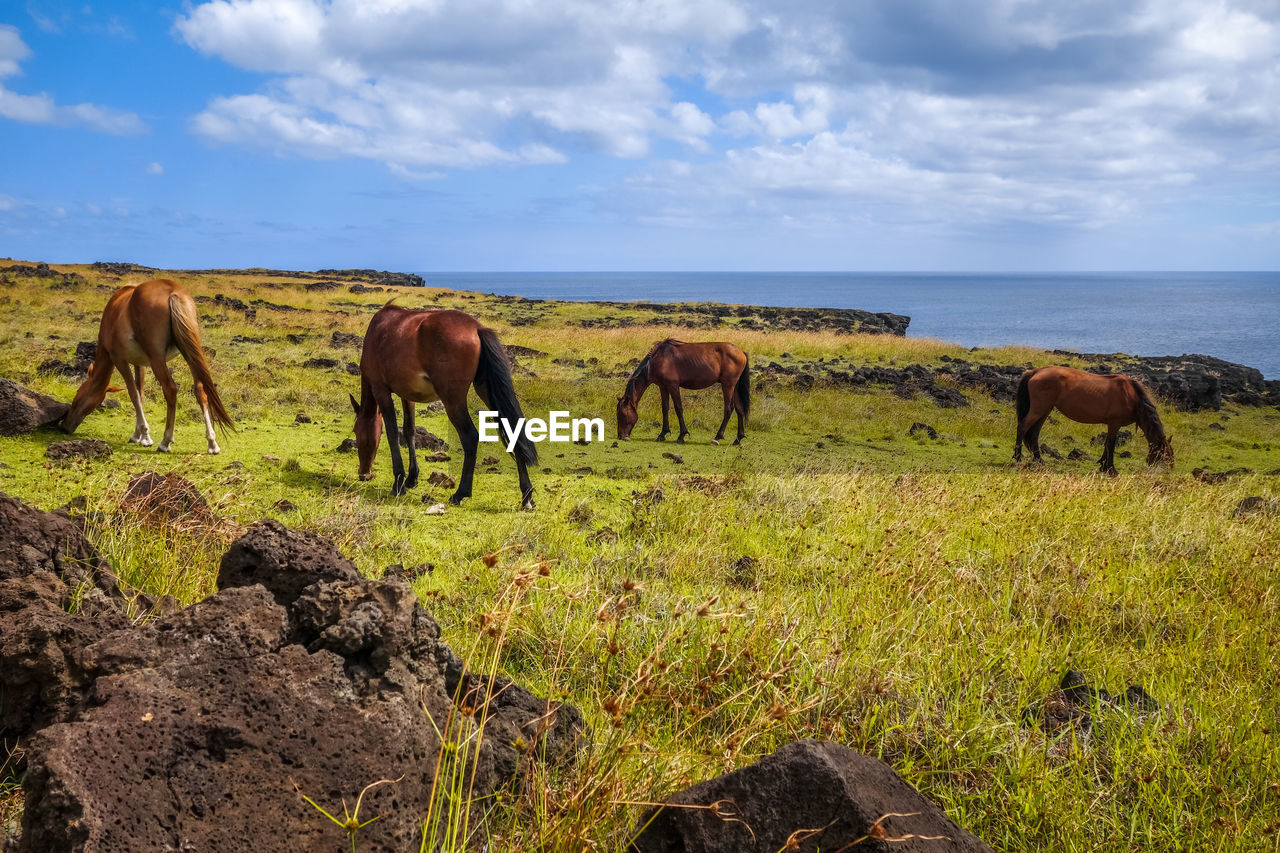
{"x":808,"y":796}
{"x":78,"y":448}
{"x":23,"y":410}
{"x":207,"y":727}
{"x":427,"y":440}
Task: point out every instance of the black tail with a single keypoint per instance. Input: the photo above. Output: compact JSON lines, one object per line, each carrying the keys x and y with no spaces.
{"x":1023,"y":404}
{"x":494,"y":374}
{"x":743,"y":389}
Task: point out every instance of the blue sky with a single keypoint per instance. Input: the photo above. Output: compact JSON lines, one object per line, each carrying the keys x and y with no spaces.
{"x":643,"y":134}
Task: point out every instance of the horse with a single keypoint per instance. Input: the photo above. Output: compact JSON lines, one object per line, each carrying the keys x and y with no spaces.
{"x":672,"y":365}
{"x":422,"y":356}
{"x":1088,"y":398}
{"x":147,"y":325}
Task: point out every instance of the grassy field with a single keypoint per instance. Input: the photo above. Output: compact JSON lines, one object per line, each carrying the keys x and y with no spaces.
{"x":833,"y":577}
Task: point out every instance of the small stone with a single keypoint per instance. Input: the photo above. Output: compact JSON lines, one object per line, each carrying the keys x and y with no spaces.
{"x":434,"y":509}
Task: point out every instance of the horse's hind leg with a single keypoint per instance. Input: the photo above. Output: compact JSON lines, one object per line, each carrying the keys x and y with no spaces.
{"x":679,"y":406}
{"x":133,"y":382}
{"x":410,"y":441}
{"x":203,"y":399}
{"x":456,"y":409}
{"x":729,"y":406}
{"x":170,"y":389}
{"x":522,"y":470}
{"x":1032,"y":439}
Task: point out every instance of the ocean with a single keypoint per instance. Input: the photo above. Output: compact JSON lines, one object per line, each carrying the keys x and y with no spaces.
{"x":1230,"y":315}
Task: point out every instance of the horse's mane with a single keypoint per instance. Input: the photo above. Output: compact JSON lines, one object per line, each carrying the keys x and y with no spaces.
{"x":1147,"y":417}
{"x":641,"y":373}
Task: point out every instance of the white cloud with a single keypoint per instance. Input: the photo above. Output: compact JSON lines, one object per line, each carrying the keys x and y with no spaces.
{"x":962,"y":112}
{"x":459,"y":84}
{"x":154,"y":168}
{"x":42,"y":109}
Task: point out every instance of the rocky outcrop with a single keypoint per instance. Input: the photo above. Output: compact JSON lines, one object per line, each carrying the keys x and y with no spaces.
{"x":192,"y":731}
{"x":808,"y":796}
{"x":47,"y":569}
{"x":23,"y":410}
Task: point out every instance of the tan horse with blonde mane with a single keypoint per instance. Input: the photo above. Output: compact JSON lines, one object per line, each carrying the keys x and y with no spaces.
{"x":1088,"y":398}
{"x":146,"y":325}
{"x":672,"y":365}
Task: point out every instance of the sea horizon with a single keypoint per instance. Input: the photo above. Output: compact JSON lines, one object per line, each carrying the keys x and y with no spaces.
{"x":1232,"y":315}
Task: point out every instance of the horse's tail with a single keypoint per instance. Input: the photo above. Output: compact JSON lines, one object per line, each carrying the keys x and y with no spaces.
{"x":1023,"y":397}
{"x":743,"y":389}
{"x":186,"y":334}
{"x":494,"y":373}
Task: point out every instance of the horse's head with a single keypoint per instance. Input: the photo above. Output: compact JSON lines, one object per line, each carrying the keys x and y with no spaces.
{"x":368,"y":429}
{"x":89,"y":396}
{"x":626,"y":417}
{"x":1160,"y":451}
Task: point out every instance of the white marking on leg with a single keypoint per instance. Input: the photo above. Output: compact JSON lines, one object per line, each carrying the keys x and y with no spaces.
{"x":214,"y":449}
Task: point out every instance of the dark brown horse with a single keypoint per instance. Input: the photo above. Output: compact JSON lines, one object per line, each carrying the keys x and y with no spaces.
{"x":146,"y":325}
{"x":433,"y":355}
{"x":1088,"y":398}
{"x":672,"y":365}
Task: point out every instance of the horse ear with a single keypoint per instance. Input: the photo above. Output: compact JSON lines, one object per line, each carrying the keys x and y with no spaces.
{"x":354,"y":404}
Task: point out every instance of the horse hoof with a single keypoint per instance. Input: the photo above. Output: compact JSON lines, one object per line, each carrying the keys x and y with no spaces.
{"x":716,"y":442}
{"x":661,"y":438}
{"x":163,"y":448}
{"x":215,"y":450}
{"x":680,"y":440}
{"x":456,"y":499}
{"x":412,"y":482}
{"x":527,"y":506}
{"x":737,"y":442}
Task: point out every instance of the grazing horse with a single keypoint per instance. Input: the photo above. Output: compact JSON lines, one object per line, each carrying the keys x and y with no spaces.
{"x":1088,"y":398}
{"x":672,"y":365}
{"x":433,"y":355}
{"x":147,"y":325}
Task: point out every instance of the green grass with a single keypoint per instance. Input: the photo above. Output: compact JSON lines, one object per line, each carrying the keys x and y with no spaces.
{"x":907,"y":597}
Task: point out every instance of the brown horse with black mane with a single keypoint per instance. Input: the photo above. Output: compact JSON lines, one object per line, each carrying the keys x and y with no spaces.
{"x":672,"y":365}
{"x":147,"y":325}
{"x":422,"y":356}
{"x":1088,"y":398}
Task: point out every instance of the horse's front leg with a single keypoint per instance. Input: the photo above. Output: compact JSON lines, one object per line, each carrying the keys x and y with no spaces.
{"x":141,"y":431}
{"x":679,"y":405}
{"x":386,"y":403}
{"x":1107,"y":465}
{"x":410,"y":440}
{"x":666,"y":403}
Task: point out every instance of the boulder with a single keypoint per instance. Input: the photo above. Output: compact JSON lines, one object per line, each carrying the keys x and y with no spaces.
{"x":205,"y":728}
{"x":23,"y":410}
{"x":47,"y":570}
{"x":808,"y":796}
{"x":282,"y":560}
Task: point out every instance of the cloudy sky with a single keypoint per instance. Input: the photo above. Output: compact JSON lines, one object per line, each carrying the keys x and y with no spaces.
{"x":643,"y":134}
